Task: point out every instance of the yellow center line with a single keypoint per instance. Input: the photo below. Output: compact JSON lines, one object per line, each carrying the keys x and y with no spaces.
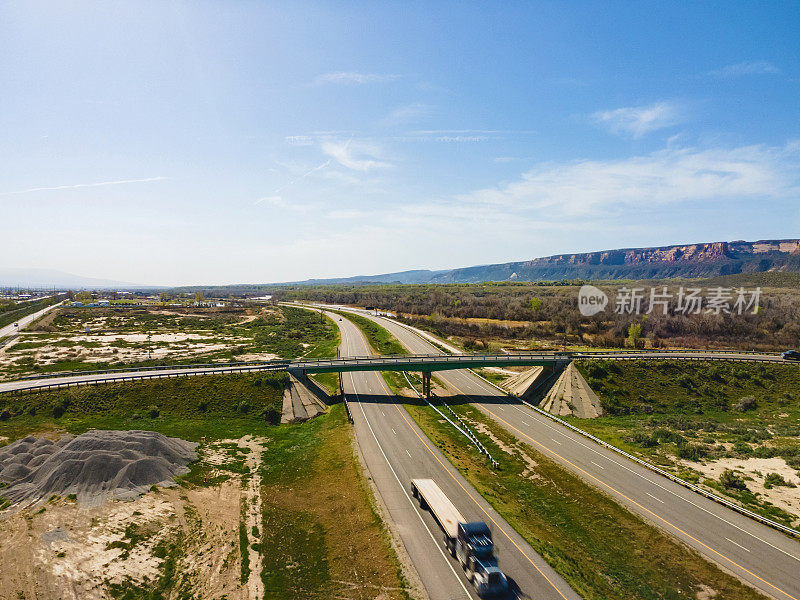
{"x":632,"y":501}
{"x":466,"y":491}
{"x":603,"y":483}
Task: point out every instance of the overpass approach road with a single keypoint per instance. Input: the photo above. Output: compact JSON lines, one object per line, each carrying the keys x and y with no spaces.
{"x":759,"y":555}
{"x":23,"y":322}
{"x":395,"y":451}
{"x":432,"y":360}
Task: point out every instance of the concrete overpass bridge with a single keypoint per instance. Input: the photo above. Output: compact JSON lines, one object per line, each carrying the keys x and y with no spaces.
{"x":425,"y":363}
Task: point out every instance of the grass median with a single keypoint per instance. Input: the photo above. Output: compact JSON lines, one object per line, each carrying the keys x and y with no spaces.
{"x":604,"y":551}
{"x":381,"y":341}
{"x":321,"y":535}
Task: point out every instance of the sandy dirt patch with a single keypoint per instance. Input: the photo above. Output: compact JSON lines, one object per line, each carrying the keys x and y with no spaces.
{"x":66,"y":550}
{"x":130,"y":347}
{"x":256,"y":356}
{"x":251,"y":493}
{"x":530,"y":468}
{"x":787,"y":498}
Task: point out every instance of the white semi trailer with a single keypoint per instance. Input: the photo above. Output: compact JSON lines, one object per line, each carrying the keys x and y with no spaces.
{"x":470,"y":543}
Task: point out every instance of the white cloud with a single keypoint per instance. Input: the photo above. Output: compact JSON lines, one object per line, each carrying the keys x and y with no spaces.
{"x":346,"y":155}
{"x":674,"y":175}
{"x":299,"y":140}
{"x":351,"y":77}
{"x":281,"y":203}
{"x":753,"y":67}
{"x":408,"y":112}
{"x":438,"y":132}
{"x":77,"y":186}
{"x":637,"y":121}
{"x":462,"y":138}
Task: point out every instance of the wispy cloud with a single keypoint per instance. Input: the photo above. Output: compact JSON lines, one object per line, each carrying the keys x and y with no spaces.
{"x":753,"y":67}
{"x":281,"y":203}
{"x":352,"y":77}
{"x":355,"y":156}
{"x":462,"y":138}
{"x":77,"y":186}
{"x":637,"y":121}
{"x":276,"y":200}
{"x":439,"y":132}
{"x":673,"y":175}
{"x":406,"y":113}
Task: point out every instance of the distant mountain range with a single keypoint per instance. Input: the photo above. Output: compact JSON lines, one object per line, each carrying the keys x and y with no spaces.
{"x":693,"y":260}
{"x":49,"y":278}
{"x":712,"y":259}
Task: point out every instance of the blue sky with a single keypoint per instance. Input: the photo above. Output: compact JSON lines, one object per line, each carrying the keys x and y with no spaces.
{"x":221,"y":142}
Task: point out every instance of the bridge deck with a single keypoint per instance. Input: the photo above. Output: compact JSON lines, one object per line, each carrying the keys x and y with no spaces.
{"x":427,"y":362}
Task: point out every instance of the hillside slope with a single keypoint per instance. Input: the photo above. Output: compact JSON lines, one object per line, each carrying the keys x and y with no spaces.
{"x":713,"y":259}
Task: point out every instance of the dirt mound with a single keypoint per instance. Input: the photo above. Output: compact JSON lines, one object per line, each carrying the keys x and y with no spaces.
{"x":95,"y":466}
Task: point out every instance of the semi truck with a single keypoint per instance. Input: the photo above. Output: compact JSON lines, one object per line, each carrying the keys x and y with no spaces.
{"x":470,"y":543}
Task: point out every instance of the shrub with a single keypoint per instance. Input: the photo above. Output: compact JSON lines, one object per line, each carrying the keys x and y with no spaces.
{"x":775,"y":479}
{"x":765,"y":452}
{"x":5,"y":415}
{"x":691,"y":452}
{"x":153,"y":412}
{"x":644,"y":440}
{"x":746,"y":403}
{"x":202,"y":407}
{"x":731,"y":481}
{"x":244,"y":407}
{"x":272,"y":416}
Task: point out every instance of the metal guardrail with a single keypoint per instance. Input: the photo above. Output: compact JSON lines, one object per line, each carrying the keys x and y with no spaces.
{"x":651,"y":467}
{"x":411,"y":362}
{"x":155,"y":368}
{"x":463,"y":428}
{"x":140,"y":376}
{"x":742,"y":359}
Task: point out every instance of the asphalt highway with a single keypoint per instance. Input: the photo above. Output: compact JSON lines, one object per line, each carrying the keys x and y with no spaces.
{"x":23,"y":322}
{"x":757,"y":554}
{"x":395,"y":451}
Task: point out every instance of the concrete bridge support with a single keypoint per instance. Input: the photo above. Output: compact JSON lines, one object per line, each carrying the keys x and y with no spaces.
{"x":426,"y":384}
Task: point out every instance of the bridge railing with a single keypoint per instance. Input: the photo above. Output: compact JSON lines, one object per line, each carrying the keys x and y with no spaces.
{"x":454,"y":358}
{"x":411,"y":362}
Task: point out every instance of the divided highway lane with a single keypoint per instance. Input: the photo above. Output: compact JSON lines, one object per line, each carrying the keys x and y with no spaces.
{"x":395,"y":451}
{"x":759,"y":555}
{"x":25,"y":321}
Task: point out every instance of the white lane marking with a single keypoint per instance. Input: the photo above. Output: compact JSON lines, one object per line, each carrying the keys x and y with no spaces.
{"x":597,"y":465}
{"x":654,"y":498}
{"x":409,"y":454}
{"x":501,"y":408}
{"x":735,"y":544}
{"x":648,"y":480}
{"x":393,"y":431}
{"x":524,"y":423}
{"x":492,"y":391}
{"x":556,"y":441}
{"x":405,"y":493}
{"x":383,"y":413}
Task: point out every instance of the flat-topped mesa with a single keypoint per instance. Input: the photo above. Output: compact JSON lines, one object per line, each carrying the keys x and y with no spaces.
{"x":689,"y":253}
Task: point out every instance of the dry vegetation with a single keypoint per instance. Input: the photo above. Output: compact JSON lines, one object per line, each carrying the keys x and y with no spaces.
{"x":266,"y":512}
{"x":545,"y":314}
{"x":86,"y":338}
